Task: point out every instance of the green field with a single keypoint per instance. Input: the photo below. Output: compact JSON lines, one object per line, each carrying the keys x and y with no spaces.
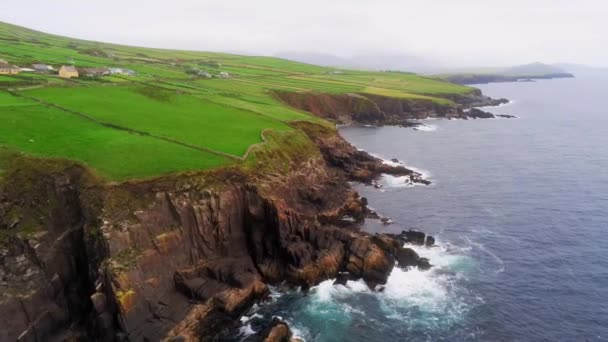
{"x":166,"y":119}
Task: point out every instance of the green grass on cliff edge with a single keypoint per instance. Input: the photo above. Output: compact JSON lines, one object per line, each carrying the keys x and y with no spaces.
{"x":164,"y":119}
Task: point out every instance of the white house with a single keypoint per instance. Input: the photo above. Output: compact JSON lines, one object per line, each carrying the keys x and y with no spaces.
{"x":122,"y":71}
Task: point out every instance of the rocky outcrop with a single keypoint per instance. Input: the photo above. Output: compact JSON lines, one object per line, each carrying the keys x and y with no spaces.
{"x":180,"y":258}
{"x":376,"y":110}
{"x":278,"y":331}
{"x":357,"y":165}
{"x":46,"y":271}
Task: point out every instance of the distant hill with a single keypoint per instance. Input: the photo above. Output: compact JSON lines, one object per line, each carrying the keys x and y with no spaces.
{"x":394,"y":62}
{"x":531,"y":69}
{"x":526,"y":72}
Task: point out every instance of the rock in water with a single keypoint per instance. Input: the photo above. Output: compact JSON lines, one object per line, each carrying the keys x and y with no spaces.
{"x":479,"y":114}
{"x":414,"y":237}
{"x":278,"y":331}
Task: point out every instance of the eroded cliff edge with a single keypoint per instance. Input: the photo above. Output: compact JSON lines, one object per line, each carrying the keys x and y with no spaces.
{"x":366,"y":109}
{"x":182,"y":257}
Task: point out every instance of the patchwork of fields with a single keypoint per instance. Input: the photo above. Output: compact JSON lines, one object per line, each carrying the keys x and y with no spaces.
{"x":166,"y":118}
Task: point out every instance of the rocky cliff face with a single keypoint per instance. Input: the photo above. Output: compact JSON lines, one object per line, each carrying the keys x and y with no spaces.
{"x":380,"y":110}
{"x":180,"y":258}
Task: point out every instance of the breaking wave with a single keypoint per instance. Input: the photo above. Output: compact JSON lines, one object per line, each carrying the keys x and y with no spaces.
{"x":410,"y":301}
{"x":425,"y":128}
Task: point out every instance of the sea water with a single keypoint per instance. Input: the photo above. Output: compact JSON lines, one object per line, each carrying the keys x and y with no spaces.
{"x":519,"y":208}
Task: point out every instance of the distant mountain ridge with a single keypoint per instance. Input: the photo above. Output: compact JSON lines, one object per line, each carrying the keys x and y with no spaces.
{"x":525,"y":72}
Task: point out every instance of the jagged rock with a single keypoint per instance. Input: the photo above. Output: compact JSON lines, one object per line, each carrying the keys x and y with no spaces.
{"x":406,"y":257}
{"x":99,"y":302}
{"x":479,"y":114}
{"x":278,"y":331}
{"x":414,"y":237}
{"x":176,"y":258}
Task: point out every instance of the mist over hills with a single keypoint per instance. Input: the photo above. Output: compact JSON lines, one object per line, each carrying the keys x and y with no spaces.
{"x":397,"y":62}
{"x":422,"y":65}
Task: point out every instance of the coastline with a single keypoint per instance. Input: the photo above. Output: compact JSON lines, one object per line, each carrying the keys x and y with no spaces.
{"x":201,"y":249}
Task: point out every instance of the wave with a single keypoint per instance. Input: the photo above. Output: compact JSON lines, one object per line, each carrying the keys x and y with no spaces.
{"x":425,"y":128}
{"x":422,"y":299}
{"x":499,"y":262}
{"x":411,"y":300}
{"x":423,"y":173}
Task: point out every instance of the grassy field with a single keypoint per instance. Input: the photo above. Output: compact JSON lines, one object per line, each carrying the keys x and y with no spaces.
{"x":166,"y":119}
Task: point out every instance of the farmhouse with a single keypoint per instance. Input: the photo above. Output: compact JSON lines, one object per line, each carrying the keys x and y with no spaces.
{"x":42,"y":68}
{"x":90,"y":72}
{"x":68,"y":71}
{"x":7,"y":69}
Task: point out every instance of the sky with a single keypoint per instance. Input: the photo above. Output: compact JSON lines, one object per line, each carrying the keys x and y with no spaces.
{"x":452,"y":32}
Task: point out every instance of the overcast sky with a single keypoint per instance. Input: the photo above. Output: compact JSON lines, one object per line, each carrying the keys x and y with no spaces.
{"x":458,"y":32}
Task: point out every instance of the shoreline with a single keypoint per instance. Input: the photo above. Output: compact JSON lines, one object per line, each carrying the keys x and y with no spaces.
{"x":422,"y":178}
{"x":186,"y":257}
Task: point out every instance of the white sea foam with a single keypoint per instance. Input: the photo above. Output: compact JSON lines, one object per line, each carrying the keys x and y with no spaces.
{"x":389,"y":181}
{"x":499,"y":262}
{"x":425,"y":128}
{"x":434,"y":294}
{"x":246,"y":330}
{"x":402,"y":181}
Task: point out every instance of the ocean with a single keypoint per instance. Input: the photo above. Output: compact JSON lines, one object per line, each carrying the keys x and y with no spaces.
{"x":519,"y":208}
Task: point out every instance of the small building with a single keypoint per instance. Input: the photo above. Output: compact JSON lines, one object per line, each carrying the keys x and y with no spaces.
{"x":42,"y":68}
{"x":121,"y":71}
{"x":224,"y":74}
{"x":7,"y":69}
{"x":92,"y":72}
{"x":27,"y":70}
{"x":68,"y":71}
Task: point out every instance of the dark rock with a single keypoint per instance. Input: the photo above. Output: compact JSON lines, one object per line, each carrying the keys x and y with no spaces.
{"x":476,"y":113}
{"x":506,"y":116}
{"x":414,"y":237}
{"x":277,"y":331}
{"x":99,"y":302}
{"x":406,"y":257}
{"x":386,"y":221}
{"x":424,"y":264}
{"x":343,"y":277}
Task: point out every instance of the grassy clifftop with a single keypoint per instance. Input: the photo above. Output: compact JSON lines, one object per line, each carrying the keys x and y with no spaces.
{"x":181,"y":111}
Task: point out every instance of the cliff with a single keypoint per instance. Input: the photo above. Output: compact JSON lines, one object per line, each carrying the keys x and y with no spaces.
{"x":379,"y":110}
{"x":180,"y":256}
